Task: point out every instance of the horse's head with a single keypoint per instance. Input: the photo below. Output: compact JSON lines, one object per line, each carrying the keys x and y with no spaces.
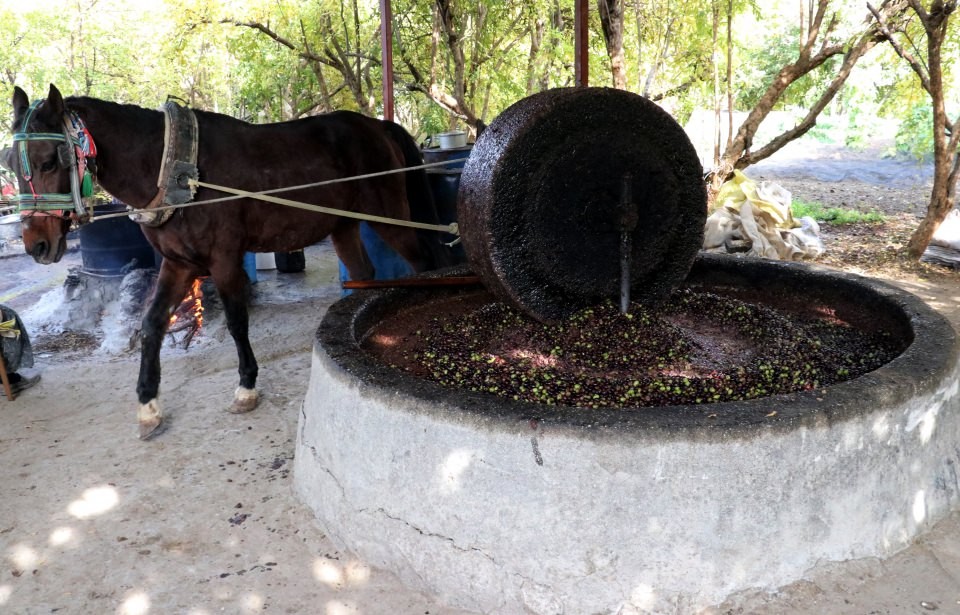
{"x":49,"y":165}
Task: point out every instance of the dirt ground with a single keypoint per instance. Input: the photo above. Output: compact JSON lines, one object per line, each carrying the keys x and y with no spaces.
{"x":203,"y":520}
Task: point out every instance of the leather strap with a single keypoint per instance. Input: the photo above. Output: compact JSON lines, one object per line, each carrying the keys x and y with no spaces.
{"x":178,"y":167}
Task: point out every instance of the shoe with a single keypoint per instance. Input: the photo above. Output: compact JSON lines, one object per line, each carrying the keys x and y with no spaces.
{"x":20,"y":384}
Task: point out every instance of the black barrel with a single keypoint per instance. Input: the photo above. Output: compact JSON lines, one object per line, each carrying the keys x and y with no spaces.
{"x":445,"y":184}
{"x":541,"y":201}
{"x":114,"y":246}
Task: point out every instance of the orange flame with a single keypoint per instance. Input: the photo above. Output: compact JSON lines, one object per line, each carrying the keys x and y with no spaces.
{"x":192,"y":306}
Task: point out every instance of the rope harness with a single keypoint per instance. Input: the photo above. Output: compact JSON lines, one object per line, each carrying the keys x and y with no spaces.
{"x":264,"y":195}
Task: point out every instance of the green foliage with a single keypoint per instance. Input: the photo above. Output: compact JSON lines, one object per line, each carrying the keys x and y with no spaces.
{"x":208,"y":53}
{"x":834,"y":215}
{"x":915,"y":136}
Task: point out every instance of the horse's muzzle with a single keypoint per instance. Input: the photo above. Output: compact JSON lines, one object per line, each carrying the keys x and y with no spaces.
{"x":46,"y":253}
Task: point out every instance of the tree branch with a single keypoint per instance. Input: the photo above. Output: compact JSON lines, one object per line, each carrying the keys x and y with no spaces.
{"x":912,"y":60}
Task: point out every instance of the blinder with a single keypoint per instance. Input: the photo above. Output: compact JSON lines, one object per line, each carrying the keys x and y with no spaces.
{"x":65,"y":155}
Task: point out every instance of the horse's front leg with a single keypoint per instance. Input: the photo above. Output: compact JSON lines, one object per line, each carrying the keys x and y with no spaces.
{"x":234,"y":289}
{"x":172,"y":284}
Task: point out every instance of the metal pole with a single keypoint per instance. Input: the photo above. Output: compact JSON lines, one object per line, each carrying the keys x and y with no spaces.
{"x":386,"y":57}
{"x":581,"y":39}
{"x":628,"y":222}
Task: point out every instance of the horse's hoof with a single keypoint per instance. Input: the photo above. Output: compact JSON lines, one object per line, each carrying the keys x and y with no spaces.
{"x":149,"y":418}
{"x":244,"y":400}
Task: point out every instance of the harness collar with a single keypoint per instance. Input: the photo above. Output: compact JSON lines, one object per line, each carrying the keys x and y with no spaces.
{"x":179,"y":165}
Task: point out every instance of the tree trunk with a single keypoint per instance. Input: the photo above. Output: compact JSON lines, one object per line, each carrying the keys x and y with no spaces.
{"x":611,"y":19}
{"x":946,"y":136}
{"x":942,"y":200}
{"x":729,"y":72}
{"x":716,"y":82}
{"x":816,"y":49}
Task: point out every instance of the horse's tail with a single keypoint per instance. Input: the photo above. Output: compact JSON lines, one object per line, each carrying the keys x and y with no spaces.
{"x":420,"y":197}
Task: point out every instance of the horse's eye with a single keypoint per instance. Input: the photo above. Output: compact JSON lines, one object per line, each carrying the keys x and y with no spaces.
{"x":48,"y":166}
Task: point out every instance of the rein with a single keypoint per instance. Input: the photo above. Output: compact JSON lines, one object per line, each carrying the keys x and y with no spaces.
{"x":77,"y":146}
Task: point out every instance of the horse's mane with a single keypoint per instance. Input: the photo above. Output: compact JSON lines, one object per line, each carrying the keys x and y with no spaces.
{"x":87,"y":102}
{"x":132,"y":111}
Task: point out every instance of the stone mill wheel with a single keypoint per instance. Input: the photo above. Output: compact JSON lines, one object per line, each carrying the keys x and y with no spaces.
{"x":558,"y":180}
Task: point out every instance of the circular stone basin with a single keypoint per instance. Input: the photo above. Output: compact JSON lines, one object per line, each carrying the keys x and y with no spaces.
{"x":508,"y":507}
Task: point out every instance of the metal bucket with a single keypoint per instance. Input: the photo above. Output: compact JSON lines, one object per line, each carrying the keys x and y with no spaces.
{"x":452,"y":140}
{"x":10,"y":227}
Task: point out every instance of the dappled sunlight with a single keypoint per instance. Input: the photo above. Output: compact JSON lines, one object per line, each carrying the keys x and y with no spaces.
{"x":136,"y":603}
{"x":23,"y":556}
{"x":5,"y":592}
{"x":926,"y":420}
{"x":537,"y":359}
{"x":881,"y":428}
{"x":328,"y":572}
{"x":198,"y":611}
{"x":852,"y":439}
{"x":383,"y":339}
{"x":60,"y":536}
{"x":929,"y":293}
{"x":643,"y":597}
{"x":920,"y":506}
{"x":336,"y":576}
{"x":252,"y":603}
{"x":339,"y":607}
{"x":453,"y":468}
{"x":94,"y":501}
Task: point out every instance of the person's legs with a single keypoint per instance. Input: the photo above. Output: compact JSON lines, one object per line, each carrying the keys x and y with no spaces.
{"x":20,"y":383}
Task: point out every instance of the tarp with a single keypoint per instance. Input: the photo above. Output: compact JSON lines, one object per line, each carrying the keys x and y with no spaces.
{"x":944,"y":248}
{"x":756,"y":219}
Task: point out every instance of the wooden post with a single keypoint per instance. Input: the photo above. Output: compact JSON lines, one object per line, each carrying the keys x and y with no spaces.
{"x":386,"y":57}
{"x":581,"y":38}
{"x":5,"y":379}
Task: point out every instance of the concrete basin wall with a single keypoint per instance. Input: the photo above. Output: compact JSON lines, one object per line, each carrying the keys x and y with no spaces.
{"x":504,"y":507}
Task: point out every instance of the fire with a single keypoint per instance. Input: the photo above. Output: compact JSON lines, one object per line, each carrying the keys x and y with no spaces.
{"x":188,"y":317}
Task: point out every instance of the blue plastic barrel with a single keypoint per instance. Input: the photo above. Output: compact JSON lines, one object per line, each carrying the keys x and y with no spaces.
{"x":388,"y":264}
{"x":250,"y":266}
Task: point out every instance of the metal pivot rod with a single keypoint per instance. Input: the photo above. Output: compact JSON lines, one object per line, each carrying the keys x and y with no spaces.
{"x":628,"y":222}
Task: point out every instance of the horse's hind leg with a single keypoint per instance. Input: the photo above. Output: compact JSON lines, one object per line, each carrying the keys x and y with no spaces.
{"x":172,"y":285}
{"x":350,"y":250}
{"x":233,"y":287}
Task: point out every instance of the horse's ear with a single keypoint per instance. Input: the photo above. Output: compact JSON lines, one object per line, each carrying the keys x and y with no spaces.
{"x":20,"y":104}
{"x":54,"y":101}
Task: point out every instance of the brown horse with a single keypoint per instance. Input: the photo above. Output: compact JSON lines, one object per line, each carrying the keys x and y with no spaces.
{"x":211,"y":239}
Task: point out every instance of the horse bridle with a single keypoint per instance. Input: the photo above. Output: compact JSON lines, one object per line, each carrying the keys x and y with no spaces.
{"x":75,"y":153}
